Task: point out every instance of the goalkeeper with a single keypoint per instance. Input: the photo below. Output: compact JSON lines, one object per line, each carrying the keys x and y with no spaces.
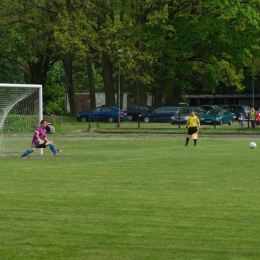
{"x":40,"y":140}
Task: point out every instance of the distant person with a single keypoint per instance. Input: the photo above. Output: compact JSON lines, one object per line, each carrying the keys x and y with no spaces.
{"x":252,"y":115}
{"x":257,"y":118}
{"x":40,"y":140}
{"x":193,"y":125}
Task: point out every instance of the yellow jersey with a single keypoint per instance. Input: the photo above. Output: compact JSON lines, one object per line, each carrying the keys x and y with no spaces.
{"x":193,"y":121}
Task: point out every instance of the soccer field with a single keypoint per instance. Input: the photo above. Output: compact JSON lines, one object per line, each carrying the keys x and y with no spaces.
{"x":132,"y":198}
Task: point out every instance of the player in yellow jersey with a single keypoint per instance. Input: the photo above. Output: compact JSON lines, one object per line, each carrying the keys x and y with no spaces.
{"x":193,"y":125}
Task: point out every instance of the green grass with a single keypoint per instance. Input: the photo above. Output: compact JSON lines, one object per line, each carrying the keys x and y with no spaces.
{"x":132,"y":198}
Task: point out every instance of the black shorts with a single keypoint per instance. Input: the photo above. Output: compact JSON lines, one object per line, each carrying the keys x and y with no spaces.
{"x":192,"y":130}
{"x":37,"y":145}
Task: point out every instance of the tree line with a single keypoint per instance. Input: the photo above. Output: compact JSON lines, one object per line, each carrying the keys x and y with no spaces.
{"x":170,"y":47}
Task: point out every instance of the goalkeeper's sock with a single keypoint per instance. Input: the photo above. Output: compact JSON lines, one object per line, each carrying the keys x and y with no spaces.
{"x":53,"y":149}
{"x":26,"y":153}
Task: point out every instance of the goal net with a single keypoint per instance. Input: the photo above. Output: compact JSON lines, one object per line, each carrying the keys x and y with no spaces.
{"x":20,"y":114}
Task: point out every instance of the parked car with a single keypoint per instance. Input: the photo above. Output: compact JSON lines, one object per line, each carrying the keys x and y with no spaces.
{"x":238,"y":109}
{"x":181,"y":116}
{"x":208,"y":107}
{"x":183,"y":104}
{"x":103,"y":113}
{"x":160,"y":114}
{"x":134,"y":111}
{"x":220,"y":105}
{"x":217,"y":116}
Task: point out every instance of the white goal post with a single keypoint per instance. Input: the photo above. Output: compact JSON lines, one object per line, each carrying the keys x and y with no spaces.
{"x":21,"y":111}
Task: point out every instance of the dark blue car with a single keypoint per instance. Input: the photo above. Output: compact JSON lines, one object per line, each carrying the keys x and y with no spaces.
{"x":103,"y":113}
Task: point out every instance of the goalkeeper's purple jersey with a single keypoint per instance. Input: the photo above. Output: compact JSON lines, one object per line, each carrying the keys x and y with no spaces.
{"x":41,"y":132}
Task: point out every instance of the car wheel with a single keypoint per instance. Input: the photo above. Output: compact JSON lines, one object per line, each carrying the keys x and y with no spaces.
{"x":230,"y":122}
{"x":146,"y":119}
{"x":111,"y":119}
{"x":130,"y":118}
{"x":83,"y":119}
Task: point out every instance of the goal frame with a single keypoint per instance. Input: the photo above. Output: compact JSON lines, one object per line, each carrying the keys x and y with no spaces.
{"x":40,"y":98}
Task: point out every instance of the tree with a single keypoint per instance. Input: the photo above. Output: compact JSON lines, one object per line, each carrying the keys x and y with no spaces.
{"x":28,"y":45}
{"x":201,"y":43}
{"x":170,"y":47}
{"x":55,"y":90}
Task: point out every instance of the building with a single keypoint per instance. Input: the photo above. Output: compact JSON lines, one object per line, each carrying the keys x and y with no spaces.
{"x":226,"y":99}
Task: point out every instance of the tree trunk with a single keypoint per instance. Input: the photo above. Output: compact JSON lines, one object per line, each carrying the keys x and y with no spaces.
{"x":67,"y":66}
{"x":92,"y":96}
{"x":176,"y":95}
{"x":121,"y":90}
{"x":39,"y":70}
{"x":159,"y":92}
{"x":107,"y":75}
{"x":139,"y":93}
{"x":36,"y":73}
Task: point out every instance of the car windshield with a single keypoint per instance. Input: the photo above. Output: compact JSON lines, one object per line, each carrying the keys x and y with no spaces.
{"x":174,"y":109}
{"x":184,"y":111}
{"x":214,"y":112}
{"x":200,"y":109}
{"x":159,"y":110}
{"x":144,"y":108}
{"x":96,"y":110}
{"x":106,"y":109}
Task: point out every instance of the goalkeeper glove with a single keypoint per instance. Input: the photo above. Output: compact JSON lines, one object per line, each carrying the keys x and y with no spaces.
{"x":41,"y":141}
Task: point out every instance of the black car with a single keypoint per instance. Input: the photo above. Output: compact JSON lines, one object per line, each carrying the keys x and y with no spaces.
{"x":238,"y":110}
{"x":160,"y":114}
{"x":134,"y":111}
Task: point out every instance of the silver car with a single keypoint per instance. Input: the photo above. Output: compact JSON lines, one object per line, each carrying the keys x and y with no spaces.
{"x":181,"y":116}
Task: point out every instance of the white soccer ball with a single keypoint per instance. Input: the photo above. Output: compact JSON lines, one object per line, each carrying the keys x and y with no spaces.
{"x":252,"y":145}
